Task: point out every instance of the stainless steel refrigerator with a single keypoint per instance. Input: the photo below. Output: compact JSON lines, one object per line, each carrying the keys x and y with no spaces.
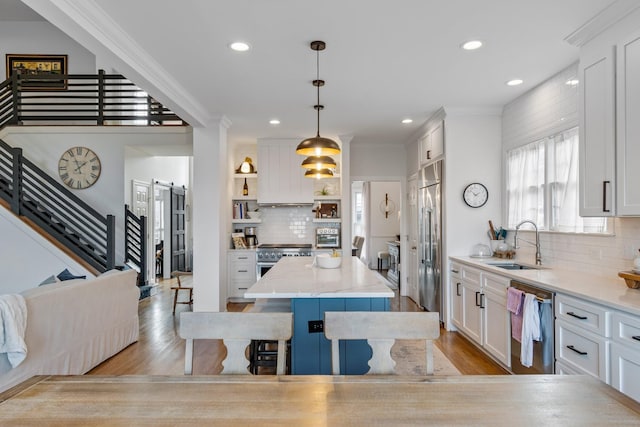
{"x":430,"y":238}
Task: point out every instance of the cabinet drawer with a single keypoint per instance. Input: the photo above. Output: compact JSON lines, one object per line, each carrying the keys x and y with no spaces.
{"x":455,"y":270}
{"x":581,"y":349}
{"x":626,"y":330}
{"x":564,"y":369}
{"x":470,"y":275}
{"x":495,"y":284}
{"x":583,"y":314}
{"x":625,"y":370}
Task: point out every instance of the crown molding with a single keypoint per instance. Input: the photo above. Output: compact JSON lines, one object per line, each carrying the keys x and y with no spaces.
{"x":602,"y":21}
{"x":98,"y":30}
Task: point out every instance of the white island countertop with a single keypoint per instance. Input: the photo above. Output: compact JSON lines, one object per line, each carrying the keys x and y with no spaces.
{"x":297,"y":277}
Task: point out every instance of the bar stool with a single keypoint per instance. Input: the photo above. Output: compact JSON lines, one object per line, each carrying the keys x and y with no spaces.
{"x":382,"y":256}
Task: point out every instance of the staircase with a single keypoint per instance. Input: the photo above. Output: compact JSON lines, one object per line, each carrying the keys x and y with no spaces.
{"x":44,"y":203}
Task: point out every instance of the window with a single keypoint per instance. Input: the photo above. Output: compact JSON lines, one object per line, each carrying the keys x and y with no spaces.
{"x":542,"y":185}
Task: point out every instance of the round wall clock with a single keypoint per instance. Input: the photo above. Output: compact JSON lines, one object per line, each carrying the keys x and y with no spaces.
{"x":475,"y":195}
{"x":79,"y":167}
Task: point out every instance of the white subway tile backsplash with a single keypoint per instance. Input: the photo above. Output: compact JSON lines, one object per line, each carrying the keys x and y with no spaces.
{"x":602,"y":255}
{"x":288,"y":225}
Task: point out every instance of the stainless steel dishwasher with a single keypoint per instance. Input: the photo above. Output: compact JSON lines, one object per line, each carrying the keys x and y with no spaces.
{"x":544,"y":350}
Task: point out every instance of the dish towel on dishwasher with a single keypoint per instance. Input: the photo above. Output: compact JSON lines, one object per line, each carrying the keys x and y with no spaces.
{"x":514,"y":305}
{"x":530,"y":329}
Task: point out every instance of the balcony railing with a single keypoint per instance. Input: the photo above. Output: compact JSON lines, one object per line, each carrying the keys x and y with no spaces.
{"x":79,"y":99}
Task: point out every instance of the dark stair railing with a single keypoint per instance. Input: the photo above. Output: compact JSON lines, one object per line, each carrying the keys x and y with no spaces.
{"x":102,"y":99}
{"x":32,"y":193}
{"x":135,"y":249}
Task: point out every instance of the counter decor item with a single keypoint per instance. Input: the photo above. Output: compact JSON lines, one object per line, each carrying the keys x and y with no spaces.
{"x":631,"y":279}
{"x":481,"y":251}
{"x":328,"y":261}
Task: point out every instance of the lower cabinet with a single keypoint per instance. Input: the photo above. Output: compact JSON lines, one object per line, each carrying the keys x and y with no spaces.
{"x":479,"y":309}
{"x":625,"y":355}
{"x":241,"y":272}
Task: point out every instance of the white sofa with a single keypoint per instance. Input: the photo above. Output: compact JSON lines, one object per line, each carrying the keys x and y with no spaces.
{"x":75,"y":325}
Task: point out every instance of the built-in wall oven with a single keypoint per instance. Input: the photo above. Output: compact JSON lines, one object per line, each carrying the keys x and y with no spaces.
{"x":543,"y":350}
{"x":268,"y":254}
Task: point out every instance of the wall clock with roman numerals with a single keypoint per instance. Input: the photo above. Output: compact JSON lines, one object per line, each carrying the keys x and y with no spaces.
{"x":79,"y":167}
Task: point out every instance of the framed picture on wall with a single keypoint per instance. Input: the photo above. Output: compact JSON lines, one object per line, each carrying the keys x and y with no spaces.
{"x":30,"y":66}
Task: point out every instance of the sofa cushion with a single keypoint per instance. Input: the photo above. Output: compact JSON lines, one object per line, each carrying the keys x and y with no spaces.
{"x":67,"y":275}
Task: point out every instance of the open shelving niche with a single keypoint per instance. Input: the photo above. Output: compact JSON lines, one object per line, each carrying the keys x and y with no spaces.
{"x":250,"y":201}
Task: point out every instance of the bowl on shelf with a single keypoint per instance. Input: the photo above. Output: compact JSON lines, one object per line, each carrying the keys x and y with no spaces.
{"x":254,"y":214}
{"x":328,"y":261}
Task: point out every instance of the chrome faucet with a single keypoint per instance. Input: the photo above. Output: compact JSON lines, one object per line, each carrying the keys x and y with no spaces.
{"x":536,"y":244}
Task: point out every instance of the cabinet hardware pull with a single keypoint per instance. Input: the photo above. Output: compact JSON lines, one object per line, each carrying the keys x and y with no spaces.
{"x":477,"y":303}
{"x":582,"y":353}
{"x":243,"y":257}
{"x":455,"y":271}
{"x":428,"y":154}
{"x":636,"y":337}
{"x":604,"y":196}
{"x":577,"y":316}
{"x":481,"y":300}
{"x":458,"y":289}
{"x":243,"y":271}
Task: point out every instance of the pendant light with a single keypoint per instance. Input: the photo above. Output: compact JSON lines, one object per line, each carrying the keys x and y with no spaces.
{"x":317,"y":145}
{"x":319,"y":162}
{"x":318,"y":173}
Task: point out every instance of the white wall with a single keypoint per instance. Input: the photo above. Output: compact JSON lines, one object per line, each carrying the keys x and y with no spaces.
{"x":43,"y":145}
{"x":473,"y":154}
{"x":377,"y":160}
{"x":383,"y":229}
{"x":44,"y":38}
{"x":27,"y":258}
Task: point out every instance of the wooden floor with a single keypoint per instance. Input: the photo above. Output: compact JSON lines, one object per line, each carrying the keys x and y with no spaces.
{"x":160,"y":351}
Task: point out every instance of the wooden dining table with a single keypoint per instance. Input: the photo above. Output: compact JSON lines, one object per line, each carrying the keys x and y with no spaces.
{"x":543,"y":400}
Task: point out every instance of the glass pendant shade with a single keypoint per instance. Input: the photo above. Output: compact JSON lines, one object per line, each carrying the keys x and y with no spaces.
{"x":319,"y":162}
{"x":318,"y":173}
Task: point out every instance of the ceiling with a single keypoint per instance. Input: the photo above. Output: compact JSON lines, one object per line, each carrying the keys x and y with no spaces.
{"x":384,"y":61}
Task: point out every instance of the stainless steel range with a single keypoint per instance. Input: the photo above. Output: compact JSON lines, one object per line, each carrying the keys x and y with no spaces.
{"x":268,"y":254}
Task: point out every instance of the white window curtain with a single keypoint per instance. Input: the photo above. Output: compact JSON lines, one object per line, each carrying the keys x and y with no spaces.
{"x":542,"y":185}
{"x":525,"y":183}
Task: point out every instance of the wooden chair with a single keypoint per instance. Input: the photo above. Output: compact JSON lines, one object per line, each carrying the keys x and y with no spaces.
{"x":181,"y":287}
{"x":236,"y":330}
{"x":380,"y":329}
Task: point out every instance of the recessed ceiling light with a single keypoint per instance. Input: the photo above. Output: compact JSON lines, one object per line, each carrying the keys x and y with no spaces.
{"x":471,"y":45}
{"x":572,"y":82}
{"x":274,"y":122}
{"x":407,"y":121}
{"x":515,"y":82}
{"x":239,"y":46}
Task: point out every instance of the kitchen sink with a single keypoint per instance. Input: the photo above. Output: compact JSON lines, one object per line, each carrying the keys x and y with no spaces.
{"x":512,"y":266}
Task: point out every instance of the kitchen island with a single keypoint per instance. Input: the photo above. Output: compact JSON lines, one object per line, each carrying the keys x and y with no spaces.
{"x":313,"y":290}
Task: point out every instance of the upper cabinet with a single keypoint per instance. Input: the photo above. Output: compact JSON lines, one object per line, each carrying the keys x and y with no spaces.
{"x":281,"y":180}
{"x":628,"y":125}
{"x":597,"y":134}
{"x":432,"y":143}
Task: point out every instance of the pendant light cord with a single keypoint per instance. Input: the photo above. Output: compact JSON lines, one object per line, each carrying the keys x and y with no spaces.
{"x":318,"y":87}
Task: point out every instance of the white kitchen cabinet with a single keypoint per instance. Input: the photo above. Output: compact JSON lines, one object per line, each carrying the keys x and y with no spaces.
{"x":432,"y":143}
{"x":495,"y":317}
{"x":241,"y":272}
{"x":625,"y":354}
{"x":479,"y":309}
{"x":597,"y":133}
{"x":281,"y":179}
{"x":471,"y":312}
{"x":582,"y":336}
{"x":455,"y":291}
{"x":628,"y":125}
